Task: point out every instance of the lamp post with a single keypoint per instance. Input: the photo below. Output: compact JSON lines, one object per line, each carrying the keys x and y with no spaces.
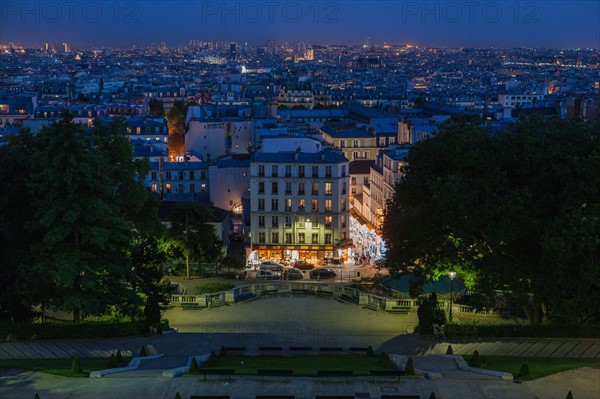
{"x":451,"y":274}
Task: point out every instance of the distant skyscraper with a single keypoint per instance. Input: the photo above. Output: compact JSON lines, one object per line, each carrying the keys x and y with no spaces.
{"x":65,"y":47}
{"x":232,"y":49}
{"x":46,"y":47}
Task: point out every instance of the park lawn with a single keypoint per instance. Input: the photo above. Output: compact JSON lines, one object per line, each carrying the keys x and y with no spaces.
{"x":59,"y":366}
{"x":306,"y":365}
{"x":538,"y":366}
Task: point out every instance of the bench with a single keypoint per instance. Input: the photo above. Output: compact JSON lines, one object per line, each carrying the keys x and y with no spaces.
{"x":268,"y":292}
{"x":300,"y":349}
{"x":399,"y":310}
{"x":335,"y":373}
{"x":270,"y":348}
{"x":331,"y":349}
{"x":299,"y":291}
{"x":275,"y":397}
{"x":386,"y":373}
{"x":244,"y":297}
{"x":324,"y":293}
{"x":354,"y":349}
{"x":191,"y":306}
{"x":227,"y":372}
{"x":274,"y":372}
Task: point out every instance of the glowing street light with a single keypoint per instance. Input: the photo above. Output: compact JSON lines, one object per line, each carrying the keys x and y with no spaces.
{"x":451,"y":274}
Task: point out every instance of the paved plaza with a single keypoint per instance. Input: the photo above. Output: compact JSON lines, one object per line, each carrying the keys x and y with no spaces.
{"x":292,"y":322}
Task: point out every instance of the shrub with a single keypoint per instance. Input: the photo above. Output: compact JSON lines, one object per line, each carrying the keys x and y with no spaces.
{"x":432,"y":396}
{"x":177,"y":396}
{"x":212,"y":360}
{"x":449,"y":350}
{"x":38,"y":396}
{"x":10,"y":330}
{"x":385,"y":361}
{"x":222,"y":352}
{"x":370,"y":351}
{"x":569,"y":395}
{"x":119,"y":357}
{"x":143,"y":351}
{"x":112,"y":362}
{"x":430,"y":313}
{"x":524,"y":370}
{"x":76,"y":366}
{"x":409,"y":369}
{"x":194,"y":366}
{"x":475,"y":360}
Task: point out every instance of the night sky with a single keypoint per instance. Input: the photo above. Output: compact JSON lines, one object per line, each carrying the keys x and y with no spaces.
{"x":549,"y":23}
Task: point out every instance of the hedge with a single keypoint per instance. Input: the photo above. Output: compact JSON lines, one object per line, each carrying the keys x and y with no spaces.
{"x":10,"y":331}
{"x":522,"y":331}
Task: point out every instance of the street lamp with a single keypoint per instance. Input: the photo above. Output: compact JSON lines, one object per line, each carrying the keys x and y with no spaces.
{"x":451,"y":274}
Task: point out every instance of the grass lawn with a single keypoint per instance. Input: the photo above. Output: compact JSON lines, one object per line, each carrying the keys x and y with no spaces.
{"x":301,"y":365}
{"x":59,"y":366}
{"x":538,"y":366}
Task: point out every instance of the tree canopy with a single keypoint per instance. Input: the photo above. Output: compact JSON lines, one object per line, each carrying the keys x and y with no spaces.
{"x":519,"y":212}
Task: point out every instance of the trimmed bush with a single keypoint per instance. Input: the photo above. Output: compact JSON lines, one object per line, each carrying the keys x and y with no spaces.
{"x":38,"y":396}
{"x":68,"y":330}
{"x":212,"y":360}
{"x":76,"y":366}
{"x":449,"y":350}
{"x":143,"y":351}
{"x":112,"y":362}
{"x":385,"y":361}
{"x":524,"y":370}
{"x":569,"y":395}
{"x":409,"y":369}
{"x":370,"y":351}
{"x":194,"y":366}
{"x":430,"y":313}
{"x":177,"y":396}
{"x":222,"y":352}
{"x":475,"y":360}
{"x":524,"y":331}
{"x":119,"y":357}
{"x":432,"y":396}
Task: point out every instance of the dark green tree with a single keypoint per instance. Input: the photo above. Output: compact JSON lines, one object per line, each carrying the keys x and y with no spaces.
{"x":430,"y":313}
{"x":509,"y":211}
{"x":156,"y":108}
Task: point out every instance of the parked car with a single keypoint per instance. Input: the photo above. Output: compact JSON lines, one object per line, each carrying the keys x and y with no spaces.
{"x":293,"y":274}
{"x":271,"y":266}
{"x":301,"y":265}
{"x":267,"y":275}
{"x":321,"y":274}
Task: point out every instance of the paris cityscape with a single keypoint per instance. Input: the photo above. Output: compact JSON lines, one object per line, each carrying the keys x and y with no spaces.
{"x":243,"y":199}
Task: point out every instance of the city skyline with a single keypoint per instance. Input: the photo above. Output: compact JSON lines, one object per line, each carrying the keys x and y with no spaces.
{"x":543,"y":24}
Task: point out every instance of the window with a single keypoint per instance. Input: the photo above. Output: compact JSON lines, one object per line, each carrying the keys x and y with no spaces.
{"x":275,"y":238}
{"x":261,"y":187}
{"x":274,"y":172}
{"x":343,"y":235}
{"x":328,"y":171}
{"x":288,"y":188}
{"x":353,"y":190}
{"x":288,"y":204}
{"x":367,"y":143}
{"x":327,"y":238}
{"x":192,"y":188}
{"x":343,"y":187}
{"x":328,"y":221}
{"x":168,"y":186}
{"x":169,"y":175}
{"x":202,"y":175}
{"x":153,"y":175}
{"x":315,"y":171}
{"x":355,"y":143}
{"x":288,"y":238}
{"x":288,"y":170}
{"x":301,"y":204}
{"x":274,"y":205}
{"x":274,"y":188}
{"x":191,"y":175}
{"x":315,"y":238}
{"x":315,"y":189}
{"x":154,"y":187}
{"x":274,"y":221}
{"x":261,"y":170}
{"x":342,"y":143}
{"x":327,"y":205}
{"x":343,"y":170}
{"x":261,"y":220}
{"x":353,"y":181}
{"x":315,"y":205}
{"x":261,"y":204}
{"x":343,"y":205}
{"x":355,"y":155}
{"x":288,"y":221}
{"x":382,"y":141}
{"x":366,"y":154}
{"x":301,"y":171}
{"x":301,"y":238}
{"x":327,"y":188}
{"x":261,"y":237}
{"x":300,"y":188}
{"x":180,"y":175}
